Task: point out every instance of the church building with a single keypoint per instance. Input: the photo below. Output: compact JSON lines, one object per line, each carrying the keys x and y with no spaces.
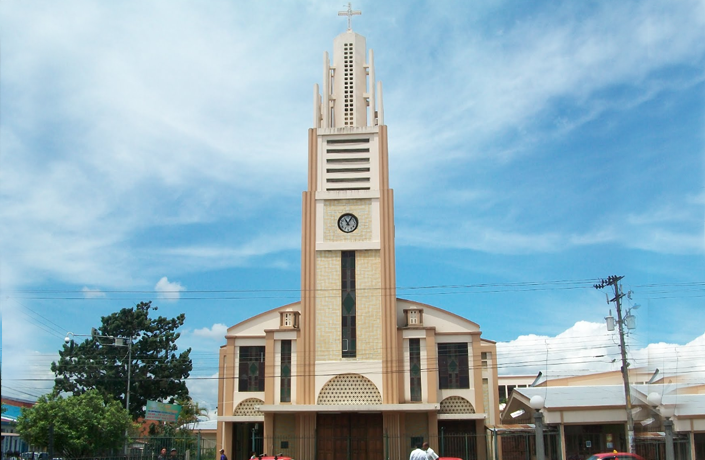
{"x":351,"y":371}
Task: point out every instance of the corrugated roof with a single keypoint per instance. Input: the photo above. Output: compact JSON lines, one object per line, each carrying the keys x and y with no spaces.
{"x":578,"y":396}
{"x":687,"y":405}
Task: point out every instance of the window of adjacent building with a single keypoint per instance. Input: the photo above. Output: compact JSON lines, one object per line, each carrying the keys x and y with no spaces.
{"x":349,"y":334}
{"x":413,"y":317}
{"x":285,"y":381}
{"x":453,"y":369}
{"x":251,"y":370}
{"x":415,"y":369}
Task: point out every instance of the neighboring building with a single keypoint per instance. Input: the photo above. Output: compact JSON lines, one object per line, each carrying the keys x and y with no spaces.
{"x":351,"y":371}
{"x":507,"y":384}
{"x":586,"y":415}
{"x":11,"y":442}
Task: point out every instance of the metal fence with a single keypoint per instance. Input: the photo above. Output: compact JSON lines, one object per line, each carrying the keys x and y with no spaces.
{"x":149,"y":448}
{"x":492,"y":445}
{"x":655,"y":449}
{"x":521,"y":445}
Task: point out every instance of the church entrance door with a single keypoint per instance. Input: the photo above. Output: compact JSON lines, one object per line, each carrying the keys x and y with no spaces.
{"x":349,"y":436}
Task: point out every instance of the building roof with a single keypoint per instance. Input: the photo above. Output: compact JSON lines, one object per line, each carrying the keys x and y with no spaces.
{"x":577,"y":396}
{"x":11,"y":412}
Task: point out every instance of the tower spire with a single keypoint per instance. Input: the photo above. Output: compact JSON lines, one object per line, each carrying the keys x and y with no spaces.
{"x":349,"y":13}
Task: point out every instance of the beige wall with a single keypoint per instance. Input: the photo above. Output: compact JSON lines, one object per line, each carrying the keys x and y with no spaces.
{"x":328,"y":309}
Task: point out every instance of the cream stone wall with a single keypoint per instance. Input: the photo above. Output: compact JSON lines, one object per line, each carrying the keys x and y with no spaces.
{"x":416,"y":424}
{"x":368,"y":305}
{"x":285,"y":428}
{"x":328,"y":334}
{"x":362,"y":209}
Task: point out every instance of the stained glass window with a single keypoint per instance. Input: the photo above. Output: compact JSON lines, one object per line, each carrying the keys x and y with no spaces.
{"x":251,"y":369}
{"x":415,"y":368}
{"x":453,"y":371}
{"x":349,"y":334}
{"x":285,"y":381}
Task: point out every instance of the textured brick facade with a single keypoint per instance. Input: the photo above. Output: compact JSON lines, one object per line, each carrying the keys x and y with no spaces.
{"x":362,"y":209}
{"x":328,"y":305}
{"x":369,"y":305}
{"x":328,"y":334}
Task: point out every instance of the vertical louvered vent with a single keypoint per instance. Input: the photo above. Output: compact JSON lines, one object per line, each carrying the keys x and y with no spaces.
{"x":348,"y":84}
{"x":348,"y":164}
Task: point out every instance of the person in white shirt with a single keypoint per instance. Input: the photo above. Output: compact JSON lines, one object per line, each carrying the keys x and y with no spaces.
{"x":430,"y":454}
{"x":418,"y":453}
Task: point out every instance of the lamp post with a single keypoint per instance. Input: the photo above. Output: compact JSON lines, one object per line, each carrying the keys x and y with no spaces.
{"x":537,"y":402}
{"x":654,"y":400}
{"x":117,"y":342}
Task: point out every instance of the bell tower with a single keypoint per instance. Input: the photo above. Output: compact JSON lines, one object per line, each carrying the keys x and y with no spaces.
{"x":348,"y":281}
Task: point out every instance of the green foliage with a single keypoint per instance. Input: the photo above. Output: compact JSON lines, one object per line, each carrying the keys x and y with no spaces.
{"x":158,"y":373}
{"x":84,"y":425}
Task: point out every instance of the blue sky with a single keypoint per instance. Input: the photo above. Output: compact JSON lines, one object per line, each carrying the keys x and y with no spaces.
{"x":157,"y":151}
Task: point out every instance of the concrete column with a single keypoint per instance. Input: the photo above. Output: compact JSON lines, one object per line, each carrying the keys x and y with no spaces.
{"x":393,"y":429}
{"x":306,"y":432}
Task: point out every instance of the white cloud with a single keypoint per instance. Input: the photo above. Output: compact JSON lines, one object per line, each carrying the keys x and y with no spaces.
{"x":92,"y":293}
{"x":588,"y":347}
{"x":204,"y":390}
{"x":168,"y":290}
{"x":216,"y":332}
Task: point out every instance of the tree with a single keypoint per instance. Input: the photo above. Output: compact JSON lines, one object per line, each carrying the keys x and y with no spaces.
{"x":157,"y":372}
{"x":83,"y":425}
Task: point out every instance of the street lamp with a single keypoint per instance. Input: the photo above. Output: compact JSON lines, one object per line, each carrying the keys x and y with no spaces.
{"x":654,"y":400}
{"x":537,"y":402}
{"x":117,"y":342}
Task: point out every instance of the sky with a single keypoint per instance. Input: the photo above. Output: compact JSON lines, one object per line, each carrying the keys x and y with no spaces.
{"x":156,"y":150}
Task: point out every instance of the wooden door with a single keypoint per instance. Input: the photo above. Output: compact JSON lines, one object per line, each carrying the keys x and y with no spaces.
{"x":349,"y":436}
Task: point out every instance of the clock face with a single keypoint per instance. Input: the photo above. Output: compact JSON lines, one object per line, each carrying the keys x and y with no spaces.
{"x":347,"y":223}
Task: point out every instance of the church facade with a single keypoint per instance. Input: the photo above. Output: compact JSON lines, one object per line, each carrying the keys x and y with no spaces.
{"x":352,"y":371}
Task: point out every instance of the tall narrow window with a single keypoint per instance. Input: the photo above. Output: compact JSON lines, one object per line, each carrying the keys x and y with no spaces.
{"x":251,"y":369}
{"x":453,"y":371}
{"x":285,"y":382}
{"x":348,"y":304}
{"x":415,"y":369}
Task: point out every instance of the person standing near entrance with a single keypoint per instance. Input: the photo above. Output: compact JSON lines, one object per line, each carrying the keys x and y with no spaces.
{"x":222,"y":455}
{"x":430,"y":454}
{"x":418,"y":453}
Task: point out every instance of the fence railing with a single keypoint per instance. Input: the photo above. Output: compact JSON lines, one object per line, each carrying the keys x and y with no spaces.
{"x":490,"y":445}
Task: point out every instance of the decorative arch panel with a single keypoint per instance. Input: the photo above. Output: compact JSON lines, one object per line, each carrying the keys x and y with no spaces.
{"x":349,"y":390}
{"x":249,"y":408}
{"x":456,"y":405}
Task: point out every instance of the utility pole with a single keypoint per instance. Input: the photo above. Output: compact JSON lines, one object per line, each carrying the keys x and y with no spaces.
{"x":614,"y":282}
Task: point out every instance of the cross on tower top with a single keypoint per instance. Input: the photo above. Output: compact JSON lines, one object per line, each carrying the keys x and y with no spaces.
{"x":349,"y":13}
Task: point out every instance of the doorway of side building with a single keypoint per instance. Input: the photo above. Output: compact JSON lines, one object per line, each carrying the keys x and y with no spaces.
{"x":349,"y":436}
{"x":247,"y":438}
{"x":457,"y":438}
